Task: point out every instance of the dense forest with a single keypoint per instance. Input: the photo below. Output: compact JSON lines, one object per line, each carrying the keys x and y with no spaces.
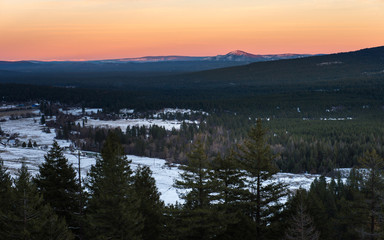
{"x":318,"y":114}
{"x":226,"y":196}
{"x":302,"y":145}
{"x":345,"y":81}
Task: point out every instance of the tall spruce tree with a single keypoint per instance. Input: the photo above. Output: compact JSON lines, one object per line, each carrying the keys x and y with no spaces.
{"x":151,"y":207}
{"x":373,"y":190}
{"x":196,"y":176}
{"x":228,"y":176}
{"x":263,"y":195}
{"x":229,"y":194}
{"x":113,"y":207}
{"x":199,"y":219}
{"x":351,"y":216}
{"x":5,"y":196}
{"x":323,"y":207}
{"x":57,"y":183}
{"x":29,"y":217}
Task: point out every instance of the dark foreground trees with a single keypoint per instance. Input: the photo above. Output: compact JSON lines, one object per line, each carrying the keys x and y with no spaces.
{"x":6,"y":197}
{"x":232,"y":196}
{"x":28,"y":217}
{"x":57,"y":183}
{"x":113,"y":206}
{"x":199,"y":218}
{"x":301,"y":226}
{"x":373,"y":190}
{"x":150,"y":206}
{"x":228,"y":196}
{"x":263,"y":195}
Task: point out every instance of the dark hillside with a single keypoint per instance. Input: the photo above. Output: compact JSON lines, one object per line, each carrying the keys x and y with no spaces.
{"x":314,"y":83}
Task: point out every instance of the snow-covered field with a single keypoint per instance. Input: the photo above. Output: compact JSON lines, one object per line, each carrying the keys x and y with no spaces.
{"x":29,"y":128}
{"x":5,"y":106}
{"x":124,"y":123}
{"x":163,"y":174}
{"x":177,"y":110}
{"x":13,"y":157}
{"x":79,"y":111}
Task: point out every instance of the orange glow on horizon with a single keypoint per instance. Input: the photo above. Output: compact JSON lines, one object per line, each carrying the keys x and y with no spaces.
{"x":107,"y":29}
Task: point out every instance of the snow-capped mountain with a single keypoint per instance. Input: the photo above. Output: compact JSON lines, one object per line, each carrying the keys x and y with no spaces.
{"x":233,"y":56}
{"x":241,"y":56}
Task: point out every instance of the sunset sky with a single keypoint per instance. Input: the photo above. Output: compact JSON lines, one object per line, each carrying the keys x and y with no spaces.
{"x":100,"y":29}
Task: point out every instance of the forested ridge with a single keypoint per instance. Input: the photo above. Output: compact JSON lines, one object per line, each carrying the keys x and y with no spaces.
{"x":302,"y":145}
{"x":318,"y":114}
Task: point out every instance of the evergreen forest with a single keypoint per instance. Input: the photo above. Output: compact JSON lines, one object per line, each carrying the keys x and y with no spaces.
{"x":225,"y":196}
{"x":307,"y":115}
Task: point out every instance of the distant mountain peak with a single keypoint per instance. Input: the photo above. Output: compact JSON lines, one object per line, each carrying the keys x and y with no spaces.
{"x":239,"y":53}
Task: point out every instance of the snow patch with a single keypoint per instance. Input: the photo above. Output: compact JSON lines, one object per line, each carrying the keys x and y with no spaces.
{"x":124,"y":123}
{"x":79,"y":111}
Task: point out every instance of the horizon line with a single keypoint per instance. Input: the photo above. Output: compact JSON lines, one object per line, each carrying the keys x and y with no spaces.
{"x":171,"y":55}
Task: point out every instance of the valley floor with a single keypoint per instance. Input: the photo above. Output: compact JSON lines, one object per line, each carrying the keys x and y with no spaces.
{"x":26,"y":129}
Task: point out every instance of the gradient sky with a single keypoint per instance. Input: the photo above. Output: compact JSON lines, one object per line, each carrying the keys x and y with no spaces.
{"x":100,"y":29}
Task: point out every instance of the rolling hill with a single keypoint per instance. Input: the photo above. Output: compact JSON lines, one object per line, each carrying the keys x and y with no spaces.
{"x":351,"y":79}
{"x":144,"y":66}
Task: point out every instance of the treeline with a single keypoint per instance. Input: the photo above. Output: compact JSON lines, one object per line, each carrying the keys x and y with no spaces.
{"x":317,"y":146}
{"x":311,"y":145}
{"x":351,"y":209}
{"x":228,"y":196}
{"x":151,"y":141}
{"x":246,"y":100}
{"x":314,"y":146}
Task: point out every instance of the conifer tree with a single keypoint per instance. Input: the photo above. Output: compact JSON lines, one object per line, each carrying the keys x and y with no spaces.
{"x":228,"y":176}
{"x":29,"y":217}
{"x":199,"y":219}
{"x":323,"y":207}
{"x":229,"y":195}
{"x":151,"y":207}
{"x":5,"y":185}
{"x":196,"y":176}
{"x":352,"y":215}
{"x":30,"y":143}
{"x":173,"y":218}
{"x":5,"y":196}
{"x":301,"y":224}
{"x":112,"y":211}
{"x":57,"y":183}
{"x":42,"y":120}
{"x":373,"y":189}
{"x":263,"y":197}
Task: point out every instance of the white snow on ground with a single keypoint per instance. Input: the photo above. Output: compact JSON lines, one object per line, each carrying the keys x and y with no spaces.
{"x":14,"y":157}
{"x":296,"y":181}
{"x":4,"y":106}
{"x":336,"y":119}
{"x":79,"y":111}
{"x":30,"y":128}
{"x":164,"y":175}
{"x":124,"y":123}
{"x":126,"y":111}
{"x":177,"y":110}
